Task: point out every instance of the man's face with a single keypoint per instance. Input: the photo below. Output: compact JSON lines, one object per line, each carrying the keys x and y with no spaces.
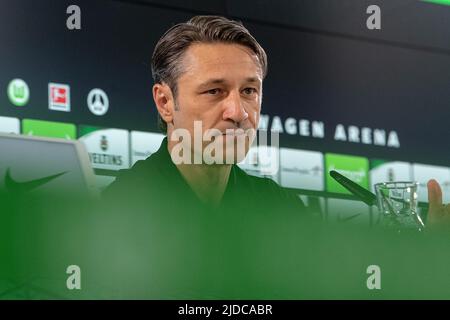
{"x":221,"y":86}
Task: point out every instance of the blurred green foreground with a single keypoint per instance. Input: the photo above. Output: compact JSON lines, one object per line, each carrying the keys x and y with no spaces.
{"x":129,"y":252}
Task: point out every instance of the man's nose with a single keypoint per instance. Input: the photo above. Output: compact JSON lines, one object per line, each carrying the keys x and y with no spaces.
{"x":234,"y":109}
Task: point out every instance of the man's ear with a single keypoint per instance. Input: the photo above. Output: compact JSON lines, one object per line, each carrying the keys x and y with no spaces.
{"x":163,"y":97}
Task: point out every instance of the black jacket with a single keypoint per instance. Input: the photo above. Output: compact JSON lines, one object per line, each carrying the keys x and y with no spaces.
{"x":156,"y":184}
{"x":156,"y":239}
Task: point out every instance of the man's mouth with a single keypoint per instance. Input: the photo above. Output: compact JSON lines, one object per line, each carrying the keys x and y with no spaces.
{"x":236,"y":132}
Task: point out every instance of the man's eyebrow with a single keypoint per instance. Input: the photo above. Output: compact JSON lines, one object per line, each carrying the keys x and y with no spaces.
{"x":210,"y":82}
{"x":253,"y":79}
{"x":221,"y":81}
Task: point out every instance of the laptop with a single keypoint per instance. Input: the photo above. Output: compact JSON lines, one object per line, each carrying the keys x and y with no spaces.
{"x":30,"y":164}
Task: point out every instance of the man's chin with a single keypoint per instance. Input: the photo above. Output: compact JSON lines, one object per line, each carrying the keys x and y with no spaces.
{"x":235,"y":148}
{"x":227,"y":156}
{"x":225,"y":153}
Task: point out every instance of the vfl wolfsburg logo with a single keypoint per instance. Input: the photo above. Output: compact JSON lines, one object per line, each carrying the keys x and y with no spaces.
{"x":18,"y":92}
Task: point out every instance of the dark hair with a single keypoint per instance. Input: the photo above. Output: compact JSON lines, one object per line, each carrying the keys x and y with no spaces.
{"x":167,"y":56}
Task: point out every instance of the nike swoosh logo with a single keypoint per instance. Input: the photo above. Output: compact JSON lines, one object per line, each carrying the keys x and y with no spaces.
{"x":26,"y":186}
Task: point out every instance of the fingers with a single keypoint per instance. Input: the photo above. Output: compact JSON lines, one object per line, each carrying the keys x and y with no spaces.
{"x":434,"y":201}
{"x":434,"y":194}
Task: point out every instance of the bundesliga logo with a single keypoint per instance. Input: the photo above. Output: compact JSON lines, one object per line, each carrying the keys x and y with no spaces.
{"x":58,"y":97}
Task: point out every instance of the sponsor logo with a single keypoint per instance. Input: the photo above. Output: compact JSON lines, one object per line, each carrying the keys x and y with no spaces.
{"x":318,"y":129}
{"x":12,"y":185}
{"x":59,"y":97}
{"x":9,"y":125}
{"x":386,"y":171}
{"x":262,"y":161}
{"x":354,"y":168}
{"x":104,"y":143}
{"x":301,"y":169}
{"x":18,"y":92}
{"x":49,"y":129}
{"x":108,"y":148}
{"x":144,"y":144}
{"x":98,"y":102}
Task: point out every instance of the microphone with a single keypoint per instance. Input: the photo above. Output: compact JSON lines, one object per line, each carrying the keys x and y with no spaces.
{"x":361,"y":193}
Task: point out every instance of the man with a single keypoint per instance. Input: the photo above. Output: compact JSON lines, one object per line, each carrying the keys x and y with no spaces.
{"x":208,"y":77}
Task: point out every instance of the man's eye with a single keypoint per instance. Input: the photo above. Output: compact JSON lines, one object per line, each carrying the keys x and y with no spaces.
{"x":249,"y":91}
{"x":213,"y":91}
